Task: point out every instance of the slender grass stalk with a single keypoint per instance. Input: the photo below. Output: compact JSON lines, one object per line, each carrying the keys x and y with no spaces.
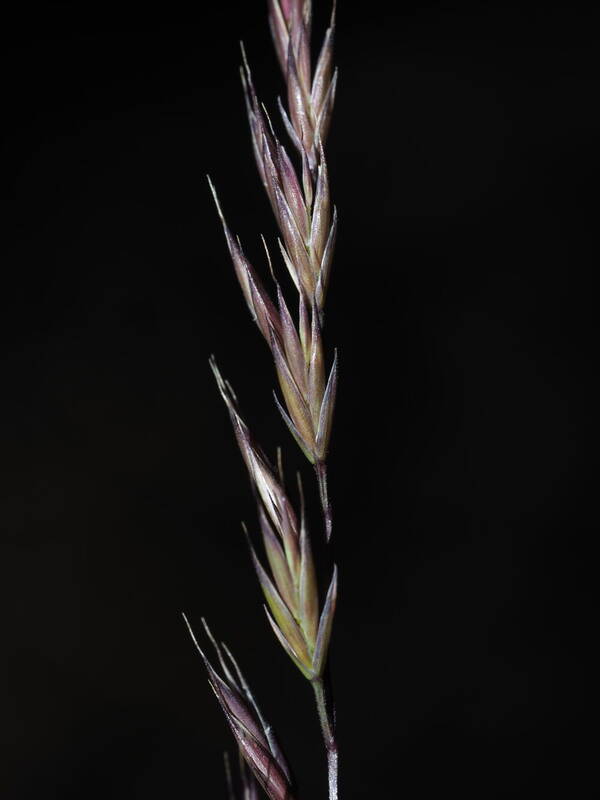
{"x":307,"y":221}
{"x":328,"y":731}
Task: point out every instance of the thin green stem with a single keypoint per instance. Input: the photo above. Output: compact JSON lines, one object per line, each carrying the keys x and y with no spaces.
{"x":328,"y":730}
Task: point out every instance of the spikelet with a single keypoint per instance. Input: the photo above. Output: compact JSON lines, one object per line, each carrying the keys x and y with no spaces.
{"x":310,"y":101}
{"x":291,"y":587}
{"x":254,"y":736}
{"x":308,"y":394}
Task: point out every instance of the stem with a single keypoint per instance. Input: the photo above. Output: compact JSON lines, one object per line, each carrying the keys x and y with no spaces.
{"x":321,"y":470}
{"x":328,"y":730}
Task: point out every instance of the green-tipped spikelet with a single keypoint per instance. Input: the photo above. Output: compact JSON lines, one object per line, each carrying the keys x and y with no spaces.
{"x":291,"y":587}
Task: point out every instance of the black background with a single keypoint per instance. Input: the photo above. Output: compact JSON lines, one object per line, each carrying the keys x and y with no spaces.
{"x":464,"y":165}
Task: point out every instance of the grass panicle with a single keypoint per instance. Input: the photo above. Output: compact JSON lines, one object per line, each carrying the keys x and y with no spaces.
{"x":297,"y":186}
